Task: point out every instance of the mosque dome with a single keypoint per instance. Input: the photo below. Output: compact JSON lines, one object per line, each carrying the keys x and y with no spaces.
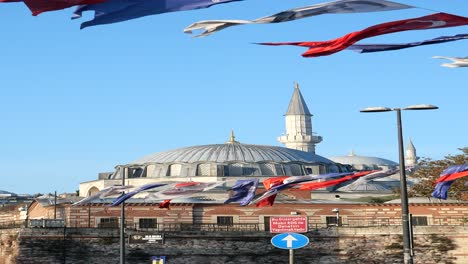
{"x":364,"y":162}
{"x":235,"y":152}
{"x":229,"y":159}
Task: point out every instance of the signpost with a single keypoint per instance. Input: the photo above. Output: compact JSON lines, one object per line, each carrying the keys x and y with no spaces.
{"x":290,"y":241}
{"x":283,"y":224}
{"x":146,"y":238}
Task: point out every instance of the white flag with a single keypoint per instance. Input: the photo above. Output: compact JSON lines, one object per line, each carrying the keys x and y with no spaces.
{"x":456,"y":62}
{"x":335,"y":7}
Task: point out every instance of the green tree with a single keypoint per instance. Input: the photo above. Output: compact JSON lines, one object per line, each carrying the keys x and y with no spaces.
{"x":429,"y":171}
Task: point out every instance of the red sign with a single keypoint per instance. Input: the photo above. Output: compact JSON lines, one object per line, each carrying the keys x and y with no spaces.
{"x":284,"y":224}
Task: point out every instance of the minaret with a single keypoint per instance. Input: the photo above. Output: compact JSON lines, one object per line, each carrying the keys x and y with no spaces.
{"x":299,"y":125}
{"x":410,"y":157}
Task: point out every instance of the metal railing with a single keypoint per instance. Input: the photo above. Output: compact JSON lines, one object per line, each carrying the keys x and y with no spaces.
{"x":13,"y":224}
{"x":241,"y":227}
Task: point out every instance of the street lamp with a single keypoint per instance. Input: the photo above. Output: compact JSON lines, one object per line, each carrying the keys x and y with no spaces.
{"x":407,"y":238}
{"x":122,"y":224}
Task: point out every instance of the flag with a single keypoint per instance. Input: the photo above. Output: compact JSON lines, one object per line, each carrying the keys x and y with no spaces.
{"x":143,"y":188}
{"x":165,"y":204}
{"x":40,"y":6}
{"x":457,"y":62}
{"x":441,"y":190}
{"x":366,"y":48}
{"x":10,"y":1}
{"x":106,"y":192}
{"x":323,"y":48}
{"x":276,"y":184}
{"x":244,"y":191}
{"x":318,"y":185}
{"x":447,"y":178}
{"x":183,"y":189}
{"x":113,"y":11}
{"x":453,"y":172}
{"x":335,"y":7}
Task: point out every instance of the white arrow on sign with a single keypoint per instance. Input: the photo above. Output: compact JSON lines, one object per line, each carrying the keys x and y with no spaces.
{"x":289,"y":239}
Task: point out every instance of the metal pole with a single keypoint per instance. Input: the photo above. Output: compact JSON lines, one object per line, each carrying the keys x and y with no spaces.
{"x":55,"y":205}
{"x":122,"y":225}
{"x":291,"y":256}
{"x":408,"y":259}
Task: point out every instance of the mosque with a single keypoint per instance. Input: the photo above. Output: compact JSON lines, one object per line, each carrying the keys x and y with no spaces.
{"x":234,"y":160}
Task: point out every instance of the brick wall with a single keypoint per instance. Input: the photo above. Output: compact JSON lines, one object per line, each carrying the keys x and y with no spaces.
{"x":434,"y":245}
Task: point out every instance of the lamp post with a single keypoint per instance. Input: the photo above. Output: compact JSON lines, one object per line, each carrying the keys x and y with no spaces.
{"x":407,"y":237}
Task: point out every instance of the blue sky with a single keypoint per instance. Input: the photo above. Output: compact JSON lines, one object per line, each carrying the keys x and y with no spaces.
{"x":78,"y":102}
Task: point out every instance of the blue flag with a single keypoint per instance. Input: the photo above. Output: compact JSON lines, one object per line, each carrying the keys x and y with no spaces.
{"x":441,"y":190}
{"x":366,"y":48}
{"x":113,"y":11}
{"x":127,"y":196}
{"x":244,"y":191}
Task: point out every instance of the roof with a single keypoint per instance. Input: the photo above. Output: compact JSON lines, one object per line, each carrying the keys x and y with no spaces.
{"x":297,"y":105}
{"x":232,"y":152}
{"x":353,"y":159}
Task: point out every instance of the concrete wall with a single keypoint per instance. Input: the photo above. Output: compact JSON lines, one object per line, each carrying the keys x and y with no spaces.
{"x":433,"y":245}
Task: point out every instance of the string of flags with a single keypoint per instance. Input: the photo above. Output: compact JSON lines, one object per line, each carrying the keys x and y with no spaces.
{"x":114,"y":11}
{"x":244,"y":191}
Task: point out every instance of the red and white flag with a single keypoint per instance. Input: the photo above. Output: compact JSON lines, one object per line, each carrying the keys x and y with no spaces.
{"x":323,"y":48}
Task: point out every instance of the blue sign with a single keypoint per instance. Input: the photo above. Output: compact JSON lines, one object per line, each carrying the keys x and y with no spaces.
{"x":289,"y":241}
{"x":158,"y":260}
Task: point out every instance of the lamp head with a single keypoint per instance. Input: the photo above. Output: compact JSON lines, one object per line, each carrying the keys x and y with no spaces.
{"x":421,"y":107}
{"x":375,"y":109}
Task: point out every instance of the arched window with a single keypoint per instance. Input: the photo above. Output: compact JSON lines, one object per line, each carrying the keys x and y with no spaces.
{"x":174,"y":170}
{"x":203,"y":170}
{"x":92,"y":190}
{"x":267,"y":169}
{"x":295,"y":169}
{"x":235,"y":169}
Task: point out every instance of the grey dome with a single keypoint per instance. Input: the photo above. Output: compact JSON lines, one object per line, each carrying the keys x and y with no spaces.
{"x":232,"y":152}
{"x":353,"y":159}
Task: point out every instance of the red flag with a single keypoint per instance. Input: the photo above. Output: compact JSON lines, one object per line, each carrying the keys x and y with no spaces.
{"x":165,"y":204}
{"x":10,"y":1}
{"x":274,"y":181}
{"x":269,"y":183}
{"x":318,"y":185}
{"x":323,"y":48}
{"x":267,"y":201}
{"x":39,"y":6}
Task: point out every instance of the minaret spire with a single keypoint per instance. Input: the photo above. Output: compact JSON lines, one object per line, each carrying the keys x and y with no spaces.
{"x":299,"y":133}
{"x":410,"y":157}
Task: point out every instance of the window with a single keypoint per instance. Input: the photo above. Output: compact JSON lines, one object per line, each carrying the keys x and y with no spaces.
{"x":112,"y":222}
{"x":419,"y":220}
{"x":295,"y":169}
{"x":225,"y":220}
{"x":203,"y":170}
{"x":332,"y":221}
{"x":148,"y":223}
{"x":235,"y":169}
{"x":174,"y":170}
{"x":267,"y":169}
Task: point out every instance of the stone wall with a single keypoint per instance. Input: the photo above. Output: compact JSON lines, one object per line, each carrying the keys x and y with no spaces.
{"x":433,"y":245}
{"x":9,"y":245}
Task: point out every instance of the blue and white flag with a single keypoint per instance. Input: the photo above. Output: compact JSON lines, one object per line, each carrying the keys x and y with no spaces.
{"x":366,"y":48}
{"x":143,"y":188}
{"x":335,"y":7}
{"x":244,"y":191}
{"x":113,"y":11}
{"x":106,"y":192}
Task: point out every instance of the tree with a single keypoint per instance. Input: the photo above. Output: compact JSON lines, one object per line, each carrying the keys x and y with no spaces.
{"x":428,"y":171}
